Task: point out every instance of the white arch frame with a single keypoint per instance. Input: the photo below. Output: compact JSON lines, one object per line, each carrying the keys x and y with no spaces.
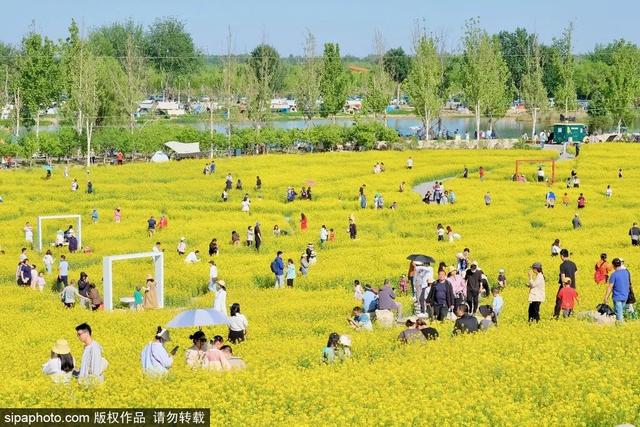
{"x":107,"y":277}
{"x":78,"y":219}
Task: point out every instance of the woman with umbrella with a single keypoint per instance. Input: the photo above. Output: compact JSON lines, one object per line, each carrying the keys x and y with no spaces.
{"x":196,"y":355}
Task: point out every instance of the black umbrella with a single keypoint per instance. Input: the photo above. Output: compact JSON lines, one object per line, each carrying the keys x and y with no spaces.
{"x":425,"y":259}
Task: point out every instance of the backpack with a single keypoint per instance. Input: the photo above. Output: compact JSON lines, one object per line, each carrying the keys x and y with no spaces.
{"x":600,"y":275}
{"x":273,"y":266}
{"x":605,"y":309}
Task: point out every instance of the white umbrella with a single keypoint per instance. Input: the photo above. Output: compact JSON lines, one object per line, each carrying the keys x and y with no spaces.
{"x":198,"y":317}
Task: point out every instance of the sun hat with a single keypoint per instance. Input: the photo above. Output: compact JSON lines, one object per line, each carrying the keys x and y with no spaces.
{"x":61,"y":346}
{"x":221,"y":283}
{"x":182,"y":238}
{"x":475,"y":263}
{"x":345,"y":340}
{"x":537,"y":266}
{"x":164,"y":334}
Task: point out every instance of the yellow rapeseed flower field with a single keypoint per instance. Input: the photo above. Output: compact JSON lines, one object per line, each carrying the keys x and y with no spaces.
{"x":566,"y":372}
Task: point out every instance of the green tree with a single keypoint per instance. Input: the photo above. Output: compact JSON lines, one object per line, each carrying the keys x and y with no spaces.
{"x":333,"y":83}
{"x":131,"y":89}
{"x":379,"y":86}
{"x":265,"y":63}
{"x":532,"y":90}
{"x":39,"y":76}
{"x":424,"y":80}
{"x":623,"y":82}
{"x":308,"y":85}
{"x":485,"y":75}
{"x":171,"y":50}
{"x":563,"y":62}
{"x":111,"y":40}
{"x":397,"y":64}
{"x":516,"y":47}
{"x":260,"y":82}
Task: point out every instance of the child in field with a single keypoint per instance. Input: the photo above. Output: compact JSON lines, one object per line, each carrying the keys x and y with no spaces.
{"x":137,"y":298}
{"x":440,"y":231}
{"x":358,"y":292}
{"x":117,"y":216}
{"x":608,"y":192}
{"x":94,"y":215}
{"x":332,"y":235}
{"x":40,"y":283}
{"x":502,"y":278}
{"x":568,"y":298}
{"x":497,"y":304}
{"x":403,"y":284}
{"x":360,"y":321}
{"x":565,"y":199}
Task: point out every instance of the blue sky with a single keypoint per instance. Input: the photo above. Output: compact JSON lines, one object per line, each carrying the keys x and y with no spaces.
{"x":348,"y":22}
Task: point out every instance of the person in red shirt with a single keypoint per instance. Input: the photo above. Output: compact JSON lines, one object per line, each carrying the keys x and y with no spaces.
{"x":568,"y":298}
{"x":481,"y":173}
{"x":303,"y":222}
{"x":581,"y":201}
{"x":120,"y":157}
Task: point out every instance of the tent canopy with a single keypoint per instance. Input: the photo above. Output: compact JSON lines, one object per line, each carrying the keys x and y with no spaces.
{"x":159,"y":157}
{"x":183,"y":147}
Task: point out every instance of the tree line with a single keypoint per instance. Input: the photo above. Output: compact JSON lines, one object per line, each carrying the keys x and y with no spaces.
{"x":98,"y":80}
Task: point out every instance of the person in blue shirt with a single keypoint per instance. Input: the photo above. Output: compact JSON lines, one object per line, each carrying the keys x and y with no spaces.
{"x":277,"y":267}
{"x":619,"y":284}
{"x":551,"y":199}
{"x":94,"y":216}
{"x":369,"y":300}
{"x":497,"y":304}
{"x":360,"y":320}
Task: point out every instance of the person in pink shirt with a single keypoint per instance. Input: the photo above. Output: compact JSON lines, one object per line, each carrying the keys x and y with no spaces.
{"x":458,"y":284}
{"x":215,"y":359}
{"x":117,"y":216}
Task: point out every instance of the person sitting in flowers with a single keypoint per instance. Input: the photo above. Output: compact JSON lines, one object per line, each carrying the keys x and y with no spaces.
{"x":61,"y":364}
{"x":338,"y":348}
{"x":196,"y":355}
{"x":360,"y":321}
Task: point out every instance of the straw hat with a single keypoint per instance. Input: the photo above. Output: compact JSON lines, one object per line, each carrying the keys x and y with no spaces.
{"x":61,"y":347}
{"x":345,"y":340}
{"x":222,"y":283}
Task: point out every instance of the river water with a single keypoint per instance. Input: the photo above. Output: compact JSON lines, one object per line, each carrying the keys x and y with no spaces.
{"x":507,"y":127}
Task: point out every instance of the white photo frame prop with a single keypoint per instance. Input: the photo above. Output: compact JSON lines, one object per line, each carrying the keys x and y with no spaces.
{"x":107,"y":276}
{"x":78,"y":219}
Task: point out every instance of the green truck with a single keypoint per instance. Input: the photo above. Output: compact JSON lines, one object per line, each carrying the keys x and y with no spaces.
{"x":563,"y":131}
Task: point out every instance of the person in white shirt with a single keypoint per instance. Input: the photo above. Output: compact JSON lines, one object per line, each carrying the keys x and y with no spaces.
{"x":213,"y":272}
{"x":238,"y":324}
{"x":23,"y":254}
{"x":192,"y":257}
{"x":61,"y":364}
{"x":28,"y":234}
{"x":422,"y":282}
{"x":157,"y":247}
{"x":410,"y":163}
{"x":156,"y":360}
{"x":324,"y":235}
{"x":93,"y":364}
{"x":40,"y":283}
{"x":48,"y":262}
{"x":220,"y":300}
{"x":182,"y":246}
{"x":245,"y":205}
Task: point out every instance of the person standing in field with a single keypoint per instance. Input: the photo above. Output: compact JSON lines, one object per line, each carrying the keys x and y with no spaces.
{"x":362,"y":197}
{"x":213,"y":273}
{"x":28,"y":235}
{"x":250,"y":236}
{"x":48,"y":261}
{"x":619,"y":288}
{"x":568,"y":269}
{"x":555,"y":248}
{"x":575,"y":222}
{"x":410,"y":163}
{"x":536,"y":291}
{"x":93,"y":364}
{"x":353,"y":232}
{"x":291,"y":273}
{"x":582,"y":202}
{"x":551,"y":199}
{"x":324,"y":235}
{"x":63,"y":270}
{"x":634,"y":233}
{"x":602,"y":270}
{"x":182,"y":246}
{"x":258,"y":183}
{"x":238,"y":324}
{"x":257,"y":234}
{"x":303,"y":222}
{"x":473,"y":277}
{"x":487,"y":199}
{"x":277,"y":268}
{"x":481,"y":172}
{"x":244,"y":205}
{"x":150,"y":300}
{"x":117,"y":216}
{"x":151,"y":225}
{"x":568,"y":298}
